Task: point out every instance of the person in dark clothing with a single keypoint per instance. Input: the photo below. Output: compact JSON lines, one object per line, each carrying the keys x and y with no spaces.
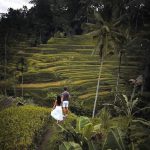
{"x":65,"y":96}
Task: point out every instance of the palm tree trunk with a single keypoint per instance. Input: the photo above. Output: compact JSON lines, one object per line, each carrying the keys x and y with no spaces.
{"x":133,"y":92}
{"x":97,"y":47}
{"x":5,"y":64}
{"x":143,"y":84}
{"x":14,"y":85}
{"x":136,"y":25}
{"x":116,"y":92}
{"x":97,"y":89}
{"x":118,"y":77}
{"x":87,"y":13}
{"x":22,"y":85}
{"x":40,"y":37}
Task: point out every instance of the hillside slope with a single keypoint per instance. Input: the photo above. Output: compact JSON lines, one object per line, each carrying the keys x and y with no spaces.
{"x":68,"y":62}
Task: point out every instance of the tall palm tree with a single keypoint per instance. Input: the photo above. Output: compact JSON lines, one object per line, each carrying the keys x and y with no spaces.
{"x":5,"y":61}
{"x":102,"y":46}
{"x":109,"y":37}
{"x":121,"y":54}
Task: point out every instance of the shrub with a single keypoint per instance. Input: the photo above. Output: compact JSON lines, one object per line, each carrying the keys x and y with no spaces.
{"x":19,"y":126}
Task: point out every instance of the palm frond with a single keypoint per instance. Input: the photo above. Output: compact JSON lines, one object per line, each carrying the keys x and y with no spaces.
{"x":69,"y":146}
{"x":62,"y":128}
{"x":126,"y":98}
{"x":141,"y":110}
{"x":134,"y":103}
{"x":141,"y":120}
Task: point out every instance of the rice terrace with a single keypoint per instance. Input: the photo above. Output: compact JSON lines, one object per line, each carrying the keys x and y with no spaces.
{"x":94,"y":55}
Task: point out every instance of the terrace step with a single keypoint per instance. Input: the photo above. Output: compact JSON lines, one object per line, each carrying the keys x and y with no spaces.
{"x":71,"y":61}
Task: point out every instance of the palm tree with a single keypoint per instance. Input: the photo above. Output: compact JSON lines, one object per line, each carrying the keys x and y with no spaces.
{"x":109,"y":37}
{"x":102,"y":45}
{"x":121,"y":53}
{"x":14,"y":84}
{"x":5,"y":61}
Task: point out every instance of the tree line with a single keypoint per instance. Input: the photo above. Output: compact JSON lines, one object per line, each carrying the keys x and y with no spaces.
{"x":123,"y":20}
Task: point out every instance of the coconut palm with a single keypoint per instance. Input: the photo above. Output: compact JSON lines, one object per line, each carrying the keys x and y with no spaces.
{"x":5,"y":59}
{"x":109,"y":38}
{"x":121,"y":54}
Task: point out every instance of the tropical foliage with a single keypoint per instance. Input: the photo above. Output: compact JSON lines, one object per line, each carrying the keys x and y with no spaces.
{"x":20,"y":127}
{"x":42,"y":50}
{"x":106,"y":132}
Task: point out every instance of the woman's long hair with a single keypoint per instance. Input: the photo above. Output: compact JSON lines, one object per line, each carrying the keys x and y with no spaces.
{"x":58,"y":100}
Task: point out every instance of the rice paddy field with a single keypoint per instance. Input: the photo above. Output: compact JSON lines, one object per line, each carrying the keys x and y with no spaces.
{"x":69,"y":62}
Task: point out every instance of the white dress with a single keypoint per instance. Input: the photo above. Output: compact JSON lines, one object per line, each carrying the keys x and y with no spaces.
{"x":57,"y":113}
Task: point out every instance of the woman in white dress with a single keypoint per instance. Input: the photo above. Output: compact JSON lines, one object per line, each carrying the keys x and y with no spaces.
{"x":57,"y":112}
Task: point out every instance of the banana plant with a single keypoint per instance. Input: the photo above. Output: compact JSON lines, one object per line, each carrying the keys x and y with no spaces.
{"x":114,"y":140}
{"x":82,"y":133}
{"x":69,"y":146}
{"x":129,"y":110}
{"x":86,"y":135}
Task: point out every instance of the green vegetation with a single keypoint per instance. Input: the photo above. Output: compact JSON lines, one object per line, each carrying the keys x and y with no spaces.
{"x":98,"y":49}
{"x":100,"y":133}
{"x":20,"y":127}
{"x":75,"y":68}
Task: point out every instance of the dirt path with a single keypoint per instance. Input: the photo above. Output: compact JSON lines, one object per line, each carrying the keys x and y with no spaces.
{"x":45,"y":140}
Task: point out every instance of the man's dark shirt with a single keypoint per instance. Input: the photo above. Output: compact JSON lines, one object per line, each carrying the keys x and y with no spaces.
{"x":65,"y":95}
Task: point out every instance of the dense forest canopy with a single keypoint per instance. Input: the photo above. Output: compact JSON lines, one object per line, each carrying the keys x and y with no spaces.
{"x":47,"y":17}
{"x":52,"y":15}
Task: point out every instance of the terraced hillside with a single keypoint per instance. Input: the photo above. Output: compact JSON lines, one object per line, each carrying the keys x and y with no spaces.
{"x":68,"y":62}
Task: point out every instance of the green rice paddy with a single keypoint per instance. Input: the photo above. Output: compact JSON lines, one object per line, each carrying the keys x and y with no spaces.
{"x":68,"y":62}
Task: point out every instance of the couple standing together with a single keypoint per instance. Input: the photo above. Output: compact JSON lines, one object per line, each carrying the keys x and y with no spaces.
{"x":60,"y":108}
